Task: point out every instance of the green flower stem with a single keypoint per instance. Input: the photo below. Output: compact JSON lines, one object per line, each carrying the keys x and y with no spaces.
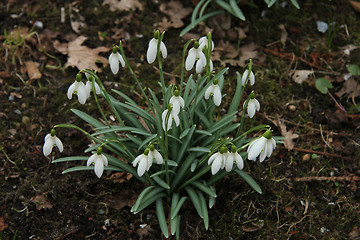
{"x":163,"y":88}
{"x":183,"y":63}
{"x":106,"y":96}
{"x":243,"y":115}
{"x":97,"y":101}
{"x":132,"y":72}
{"x":197,"y":176}
{"x":251,"y":130}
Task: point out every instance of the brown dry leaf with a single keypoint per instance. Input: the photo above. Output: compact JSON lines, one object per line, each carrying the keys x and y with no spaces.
{"x":350,"y":87}
{"x":32,"y":70}
{"x":2,"y":224}
{"x":77,"y":21}
{"x":124,"y":5}
{"x":144,"y":231}
{"x":299,"y":76}
{"x":81,"y":56}
{"x":126,"y":198}
{"x":355,"y":5}
{"x":176,"y":12}
{"x":227,"y":48}
{"x":41,"y":202}
{"x":288,"y":135}
{"x":120,"y":177}
{"x":284,"y":34}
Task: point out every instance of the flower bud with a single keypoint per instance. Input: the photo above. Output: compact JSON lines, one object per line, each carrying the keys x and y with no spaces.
{"x":146,"y":152}
{"x":223,"y":149}
{"x":114,"y":50}
{"x":176,"y":93}
{"x":268,"y":134}
{"x":151,"y":147}
{"x":252,"y":95}
{"x":99,"y":151}
{"x":156,"y":34}
{"x":52,"y":132}
{"x":196,"y":45}
{"x":215,"y":81}
{"x":233,"y":149}
{"x":78,"y":77}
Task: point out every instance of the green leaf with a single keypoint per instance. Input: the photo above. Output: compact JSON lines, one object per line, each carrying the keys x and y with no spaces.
{"x":149,"y":197}
{"x":195,"y":200}
{"x":199,"y":149}
{"x":173,"y":225}
{"x":237,"y":96}
{"x":184,"y":133}
{"x":295,"y":3}
{"x":186,"y":143}
{"x":176,"y":209}
{"x":199,"y":20}
{"x":203,"y":132}
{"x":323,"y":85}
{"x":161,"y":172}
{"x":229,"y":118}
{"x":249,"y":180}
{"x":204,"y":210}
{"x":236,"y":10}
{"x":196,"y":10}
{"x":161,"y":217}
{"x":212,"y":199}
{"x":354,"y":69}
{"x":172,"y":163}
{"x":141,"y":196}
{"x":206,"y":189}
{"x":73,"y":158}
{"x":86,"y":168}
{"x":87,"y":118}
{"x":161,"y":182}
{"x":148,"y":201}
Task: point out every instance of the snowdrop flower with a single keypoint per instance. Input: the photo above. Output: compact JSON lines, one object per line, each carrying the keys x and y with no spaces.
{"x":245,"y":77}
{"x":214,"y":90}
{"x":78,"y":88}
{"x":232,"y":157}
{"x":88,"y":86}
{"x":145,"y":160}
{"x":52,"y":140}
{"x":177,"y":102}
{"x":99,"y":161}
{"x":262,"y":146}
{"x":172,"y":115}
{"x":114,"y":60}
{"x":252,"y":106}
{"x":152,"y":49}
{"x":195,"y":55}
{"x":205,"y":42}
{"x":217,"y":160}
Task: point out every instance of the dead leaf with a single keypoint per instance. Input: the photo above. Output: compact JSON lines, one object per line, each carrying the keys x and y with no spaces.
{"x":81,"y":56}
{"x":227,"y":48}
{"x":124,"y":5}
{"x":144,"y":231}
{"x":355,"y":233}
{"x":248,"y":51}
{"x":120,"y":177}
{"x":32,"y":70}
{"x":126,"y":198}
{"x":351,"y":87}
{"x":41,"y":202}
{"x":355,"y":5}
{"x":288,"y":135}
{"x":299,"y":76}
{"x":176,"y":12}
{"x":3,"y":226}
{"x":77,"y":21}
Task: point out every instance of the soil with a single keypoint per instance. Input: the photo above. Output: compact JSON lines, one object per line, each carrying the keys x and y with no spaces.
{"x":310,"y":189}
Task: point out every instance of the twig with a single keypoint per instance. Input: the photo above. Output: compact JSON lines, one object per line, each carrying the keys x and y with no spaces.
{"x":322,"y":153}
{"x":67,"y":234}
{"x":322,"y":178}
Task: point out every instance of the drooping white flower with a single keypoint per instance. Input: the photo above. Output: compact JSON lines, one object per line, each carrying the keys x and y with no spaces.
{"x":152,"y":48}
{"x":78,"y":88}
{"x":217,"y":160}
{"x":232,"y":157}
{"x":177,"y":102}
{"x":252,"y":106}
{"x":205,"y":42}
{"x":50,"y":141}
{"x":114,"y":60}
{"x":99,"y":160}
{"x":154,"y":155}
{"x":195,"y":55}
{"x":245,"y":76}
{"x":145,"y":160}
{"x":262,"y":147}
{"x":214,"y":90}
{"x":88,"y":87}
{"x":172,"y":115}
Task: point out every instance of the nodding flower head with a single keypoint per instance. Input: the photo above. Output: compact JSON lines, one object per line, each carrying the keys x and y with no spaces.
{"x":152,"y":48}
{"x":99,"y":160}
{"x":168,"y":115}
{"x":214,"y":90}
{"x":78,"y":88}
{"x":114,"y":60}
{"x":50,"y":141}
{"x":252,"y":106}
{"x":262,"y":147}
{"x":177,"y":102}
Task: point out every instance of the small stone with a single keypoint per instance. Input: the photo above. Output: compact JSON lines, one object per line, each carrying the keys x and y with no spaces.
{"x":306,"y":157}
{"x":292,"y":107}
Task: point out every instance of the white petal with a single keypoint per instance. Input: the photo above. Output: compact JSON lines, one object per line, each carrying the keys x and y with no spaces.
{"x":91,"y":159}
{"x":229,"y":162}
{"x":208,"y":91}
{"x":152,"y":50}
{"x":252,"y":78}
{"x":82,"y":94}
{"x":163,"y":117}
{"x":199,"y":66}
{"x":216,"y":165}
{"x":99,"y":167}
{"x":46,"y":137}
{"x":158,"y":158}
{"x":71,"y":90}
{"x":149,"y":160}
{"x":176,"y":104}
{"x":169,"y":122}
{"x":176,"y":119}
{"x":273,"y":143}
{"x":121,"y":59}
{"x":251,"y":108}
{"x":97,"y":88}
{"x":48,"y":146}
{"x":211,"y":159}
{"x":182,"y":103}
{"x":269,"y":148}
{"x":202,"y":57}
{"x":255,"y":148}
{"x":263,"y":153}
{"x":244,"y":76}
{"x":58,"y":143}
{"x":143,"y":165}
{"x":239,"y":161}
{"x":211,"y":66}
{"x":88,"y":88}
{"x":105,"y":160}
{"x":190,"y":60}
{"x":257,"y":105}
{"x":163,"y":50}
{"x":114,"y":63}
{"x":217,"y":95}
{"x":137,"y":159}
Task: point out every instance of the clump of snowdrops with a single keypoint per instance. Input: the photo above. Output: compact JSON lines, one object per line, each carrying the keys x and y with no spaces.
{"x":181,"y":144}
